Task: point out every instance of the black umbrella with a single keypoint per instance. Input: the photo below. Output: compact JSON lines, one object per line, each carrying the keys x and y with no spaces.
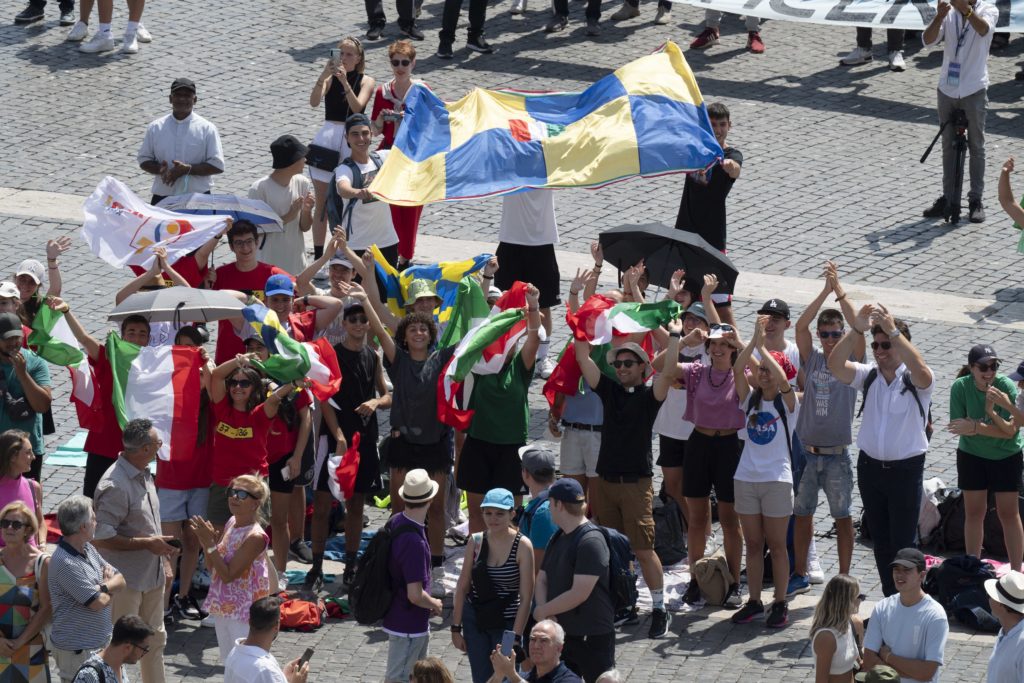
{"x":665,"y":250}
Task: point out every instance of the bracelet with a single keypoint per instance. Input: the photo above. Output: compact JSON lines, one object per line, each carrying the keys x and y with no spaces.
{"x":786,"y":392}
{"x":54,"y":267}
{"x":532,"y":310}
{"x":52,"y":260}
{"x":305,"y":300}
{"x":533,"y":329}
{"x":860,"y":332}
{"x":597,"y":266}
{"x":675,"y":334}
{"x":456,"y":628}
{"x":487,"y":277}
{"x":67,"y":309}
{"x":969,"y":13}
{"x":840,"y":298}
{"x":574,"y":292}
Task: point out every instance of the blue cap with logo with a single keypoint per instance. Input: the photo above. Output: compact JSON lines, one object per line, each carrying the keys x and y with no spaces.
{"x":279,"y":284}
{"x":567,"y":490}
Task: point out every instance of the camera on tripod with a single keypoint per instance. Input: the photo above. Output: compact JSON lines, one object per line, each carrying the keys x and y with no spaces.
{"x":958,"y":119}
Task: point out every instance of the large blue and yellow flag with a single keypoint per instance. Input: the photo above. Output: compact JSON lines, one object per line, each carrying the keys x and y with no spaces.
{"x":446,"y":277}
{"x":647,"y":118}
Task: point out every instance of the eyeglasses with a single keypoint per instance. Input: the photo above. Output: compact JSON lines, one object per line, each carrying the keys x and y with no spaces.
{"x":358,"y":319}
{"x":401,"y":62}
{"x":240,"y":494}
{"x":244,"y":243}
{"x":884,"y":345}
{"x":830,"y":335}
{"x":240,"y":383}
{"x":624,"y":363}
{"x":12,"y":524}
{"x":985,"y":367}
{"x":145,"y":649}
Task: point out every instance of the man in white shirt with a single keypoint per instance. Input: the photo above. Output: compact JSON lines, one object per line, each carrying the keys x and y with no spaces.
{"x":1006,"y":600}
{"x":251,"y":661}
{"x":290,"y":194}
{"x":908,"y":630}
{"x":963,"y":84}
{"x":893,"y":436}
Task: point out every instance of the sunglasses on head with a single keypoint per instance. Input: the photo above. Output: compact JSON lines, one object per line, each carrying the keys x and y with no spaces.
{"x":985,"y":367}
{"x":624,"y":363}
{"x":830,"y":335}
{"x":723,"y":328}
{"x":401,"y":62}
{"x":12,"y":524}
{"x":240,"y":494}
{"x":240,"y":383}
{"x":883,"y":345}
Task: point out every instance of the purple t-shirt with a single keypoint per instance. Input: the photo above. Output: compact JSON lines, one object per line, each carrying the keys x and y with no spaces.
{"x":711,"y":399}
{"x":409,"y":563}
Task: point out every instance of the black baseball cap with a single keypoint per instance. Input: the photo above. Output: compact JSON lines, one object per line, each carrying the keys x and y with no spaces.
{"x":356,"y":120}
{"x":567,"y":490}
{"x":10,"y":326}
{"x":775,"y":307}
{"x":185,"y":83}
{"x":1018,"y":374}
{"x":911,"y":558}
{"x":980,"y":353}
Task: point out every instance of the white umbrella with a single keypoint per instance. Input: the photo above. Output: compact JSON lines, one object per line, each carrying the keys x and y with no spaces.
{"x":239,"y":208}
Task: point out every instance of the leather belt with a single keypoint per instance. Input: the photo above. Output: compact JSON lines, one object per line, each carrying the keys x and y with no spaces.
{"x":582,"y":427}
{"x":832,"y":450}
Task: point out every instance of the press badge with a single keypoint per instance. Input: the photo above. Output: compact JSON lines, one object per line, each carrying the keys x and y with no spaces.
{"x":953,"y":75}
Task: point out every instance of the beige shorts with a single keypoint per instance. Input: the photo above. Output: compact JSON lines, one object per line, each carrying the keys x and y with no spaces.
{"x":627,"y":508}
{"x":578,"y":454}
{"x":768,"y":498}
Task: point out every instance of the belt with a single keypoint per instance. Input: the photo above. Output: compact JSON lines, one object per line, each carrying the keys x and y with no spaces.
{"x":832,"y":450}
{"x":582,"y":427}
{"x":624,"y":478}
{"x":715,"y":432}
{"x":912,"y":462}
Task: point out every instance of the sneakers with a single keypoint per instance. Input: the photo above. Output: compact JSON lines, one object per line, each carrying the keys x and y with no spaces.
{"x":663,"y":17}
{"x":660,"y":619}
{"x":751,"y":610}
{"x":412,"y":31}
{"x":67,"y":18}
{"x":101,"y":42}
{"x":815,"y":575}
{"x":754,"y":42}
{"x":896,"y":62}
{"x":28,"y":15}
{"x":78,"y":32}
{"x":708,"y":37}
{"x":626,"y":617}
{"x":859,"y":55}
{"x":547,"y":366}
{"x":734,"y":598}
{"x":130,"y":44}
{"x":938,"y":209}
{"x":593,"y":29}
{"x":797,"y":584}
{"x":169,"y":616}
{"x":300,"y":551}
{"x":314,"y":581}
{"x":143,"y":35}
{"x":627,"y":11}
{"x":479,"y":44}
{"x":557,"y":24}
{"x":518,"y":7}
{"x":375,"y":33}
{"x":692,"y":595}
{"x":349,"y":575}
{"x":187,"y":608}
{"x":975,"y":211}
{"x":778,"y":615}
{"x":437,"y":582}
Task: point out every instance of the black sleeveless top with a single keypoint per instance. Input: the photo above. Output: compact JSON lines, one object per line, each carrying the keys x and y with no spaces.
{"x":335,"y":102}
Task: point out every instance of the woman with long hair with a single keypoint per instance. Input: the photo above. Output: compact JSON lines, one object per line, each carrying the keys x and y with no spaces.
{"x":836,"y":631}
{"x":16,"y":458}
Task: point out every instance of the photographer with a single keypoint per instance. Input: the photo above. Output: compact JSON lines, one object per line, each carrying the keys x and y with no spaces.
{"x":963,"y":84}
{"x":24,"y":384}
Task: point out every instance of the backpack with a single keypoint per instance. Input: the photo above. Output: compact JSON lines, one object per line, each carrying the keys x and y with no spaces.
{"x":948,"y":536}
{"x":669,"y":538}
{"x":955,"y":576}
{"x":372,"y":579}
{"x":908,"y":385}
{"x":971,"y":609}
{"x":713,"y":577}
{"x":754,"y":402}
{"x":993,"y":539}
{"x":338,"y":211}
{"x":299,"y":614}
{"x":529,"y":510}
{"x":622,"y":574}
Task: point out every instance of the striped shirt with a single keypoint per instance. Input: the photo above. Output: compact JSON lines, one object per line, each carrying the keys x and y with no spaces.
{"x":74,"y":579}
{"x":504,"y":577}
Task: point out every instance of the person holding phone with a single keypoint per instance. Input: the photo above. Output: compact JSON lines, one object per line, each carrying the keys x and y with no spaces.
{"x":251,"y":662}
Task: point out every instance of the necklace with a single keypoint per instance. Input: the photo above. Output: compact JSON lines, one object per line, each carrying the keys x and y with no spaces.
{"x":711,"y":380}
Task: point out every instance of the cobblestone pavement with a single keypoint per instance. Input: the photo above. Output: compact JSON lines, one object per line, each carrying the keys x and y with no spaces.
{"x":831,"y":171}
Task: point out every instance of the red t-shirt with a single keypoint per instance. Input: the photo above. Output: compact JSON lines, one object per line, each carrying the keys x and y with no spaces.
{"x":239,"y":442}
{"x":186,"y":266}
{"x":250,"y":282}
{"x":105,"y":439}
{"x":281,"y":440}
{"x":182,"y":474}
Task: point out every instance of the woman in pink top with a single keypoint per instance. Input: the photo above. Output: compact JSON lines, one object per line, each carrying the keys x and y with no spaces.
{"x":240,"y":572}
{"x":15,"y":460}
{"x":713,"y":449}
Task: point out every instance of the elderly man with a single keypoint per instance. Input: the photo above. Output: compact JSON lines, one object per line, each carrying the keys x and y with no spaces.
{"x":128,"y":535}
{"x":130,"y":642}
{"x":81,"y":584}
{"x":1006,"y":600}
{"x":24,"y":384}
{"x":546,"y":641}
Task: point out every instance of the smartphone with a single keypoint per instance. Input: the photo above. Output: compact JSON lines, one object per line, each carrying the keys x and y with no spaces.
{"x":286,"y":473}
{"x":508,"y":639}
{"x":306,"y":656}
{"x":336,"y":55}
{"x":174,"y":543}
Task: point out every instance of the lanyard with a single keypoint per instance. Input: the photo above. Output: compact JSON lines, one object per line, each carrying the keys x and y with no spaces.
{"x":961,"y":37}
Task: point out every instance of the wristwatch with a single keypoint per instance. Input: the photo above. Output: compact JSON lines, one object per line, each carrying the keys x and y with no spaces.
{"x":456,"y":628}
{"x":895,"y":333}
{"x":104,"y":589}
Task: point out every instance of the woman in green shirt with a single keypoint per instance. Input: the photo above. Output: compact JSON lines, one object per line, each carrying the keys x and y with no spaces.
{"x":988,"y":456}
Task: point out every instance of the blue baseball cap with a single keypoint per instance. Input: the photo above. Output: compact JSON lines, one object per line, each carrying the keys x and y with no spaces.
{"x":499,"y":498}
{"x":567,"y":490}
{"x":279,"y":284}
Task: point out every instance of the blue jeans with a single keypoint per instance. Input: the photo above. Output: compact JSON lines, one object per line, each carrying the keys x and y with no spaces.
{"x":891,"y":492}
{"x":480,"y":643}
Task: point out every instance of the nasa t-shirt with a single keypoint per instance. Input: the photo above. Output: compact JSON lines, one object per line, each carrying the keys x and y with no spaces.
{"x":766,"y":454}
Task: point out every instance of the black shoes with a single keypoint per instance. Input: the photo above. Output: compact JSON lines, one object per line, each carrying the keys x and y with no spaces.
{"x":444,"y":49}
{"x":557,"y":24}
{"x":314,"y":581}
{"x":938,"y":210}
{"x":28,"y":15}
{"x":375,"y":33}
{"x":692,"y":595}
{"x":479,"y":44}
{"x":67,"y":18}
{"x":412,"y":31}
{"x":660,"y":619}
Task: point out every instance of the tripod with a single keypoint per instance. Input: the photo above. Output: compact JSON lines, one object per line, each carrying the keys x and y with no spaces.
{"x":959,"y":120}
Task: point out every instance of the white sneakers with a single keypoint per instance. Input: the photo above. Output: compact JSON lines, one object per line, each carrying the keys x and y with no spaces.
{"x":859,"y":55}
{"x":663,"y":17}
{"x":130,"y":44}
{"x":78,"y":32}
{"x":101,"y":42}
{"x":105,"y":42}
{"x":143,"y":35}
{"x":518,"y":7}
{"x":896,"y":62}
{"x":546,"y":367}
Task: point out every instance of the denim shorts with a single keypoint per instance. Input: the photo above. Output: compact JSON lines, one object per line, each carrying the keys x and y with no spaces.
{"x":178,"y":506}
{"x":832,"y":474}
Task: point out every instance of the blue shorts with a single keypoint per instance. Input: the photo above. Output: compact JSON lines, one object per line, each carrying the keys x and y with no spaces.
{"x":832,"y":474}
{"x":177,"y":506}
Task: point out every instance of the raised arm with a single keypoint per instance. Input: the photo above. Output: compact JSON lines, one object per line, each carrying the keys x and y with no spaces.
{"x":788,"y":395}
{"x":710,"y":310}
{"x":667,"y":377}
{"x":54,"y":248}
{"x":273,"y":402}
{"x":202,"y":254}
{"x":89,"y":343}
{"x":804,"y":340}
{"x":1007,"y":199}
{"x":218,"y":388}
{"x":859,"y":345}
{"x":839,"y":360}
{"x":529,"y":352}
{"x":932,"y":32}
{"x":304,"y":280}
{"x":591,"y":373}
{"x":384,"y":338}
{"x":920,"y":373}
{"x":744,"y":356}
{"x":368,"y":274}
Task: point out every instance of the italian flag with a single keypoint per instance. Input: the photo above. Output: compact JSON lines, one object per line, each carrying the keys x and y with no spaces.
{"x":470,"y":309}
{"x":600,"y":318}
{"x":566,"y":377}
{"x":162,"y":384}
{"x":343,"y":469}
{"x":52,"y":340}
{"x":324,"y":372}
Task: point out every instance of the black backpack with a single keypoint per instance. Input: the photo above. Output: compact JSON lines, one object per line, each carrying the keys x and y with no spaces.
{"x":338,"y":211}
{"x":622,"y":574}
{"x":372,"y":579}
{"x":954,"y":576}
{"x":669,"y":537}
{"x":948,"y":536}
{"x":908,"y":385}
{"x":527,"y":511}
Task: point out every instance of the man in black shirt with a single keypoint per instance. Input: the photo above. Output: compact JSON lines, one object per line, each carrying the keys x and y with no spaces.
{"x":702,"y":207}
{"x":351,"y":411}
{"x":625,"y":461}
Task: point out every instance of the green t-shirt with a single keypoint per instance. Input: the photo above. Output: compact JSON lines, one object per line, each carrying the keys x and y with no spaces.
{"x":966,"y":400}
{"x":39,"y":371}
{"x":501,"y":412}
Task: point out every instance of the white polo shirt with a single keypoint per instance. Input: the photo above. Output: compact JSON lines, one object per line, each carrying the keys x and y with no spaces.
{"x":193,"y":140}
{"x":892,"y":428}
{"x":972,"y":54}
{"x":251,"y":664}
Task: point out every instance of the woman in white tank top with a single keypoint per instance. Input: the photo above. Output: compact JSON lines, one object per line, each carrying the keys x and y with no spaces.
{"x":837,"y":631}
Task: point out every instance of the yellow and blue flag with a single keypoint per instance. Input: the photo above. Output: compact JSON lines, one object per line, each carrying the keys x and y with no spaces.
{"x":446,"y":277}
{"x":289,"y":360}
{"x":647,"y":118}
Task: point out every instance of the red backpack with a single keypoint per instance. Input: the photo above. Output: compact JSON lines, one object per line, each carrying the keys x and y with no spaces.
{"x":298,"y":614}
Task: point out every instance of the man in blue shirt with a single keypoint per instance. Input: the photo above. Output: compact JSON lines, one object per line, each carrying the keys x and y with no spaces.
{"x":546,"y":641}
{"x":24,"y":384}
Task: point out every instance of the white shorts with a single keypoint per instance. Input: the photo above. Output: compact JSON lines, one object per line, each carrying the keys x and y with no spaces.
{"x":579,"y":451}
{"x":332,"y":136}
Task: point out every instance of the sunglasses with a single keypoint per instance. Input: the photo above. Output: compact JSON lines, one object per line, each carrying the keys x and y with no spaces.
{"x":401,"y":62}
{"x":358,"y":319}
{"x":723,"y":328}
{"x":12,"y":524}
{"x":985,"y":367}
{"x":240,"y":494}
{"x":830,"y":335}
{"x":624,"y":363}
{"x":884,"y":345}
{"x":240,"y":383}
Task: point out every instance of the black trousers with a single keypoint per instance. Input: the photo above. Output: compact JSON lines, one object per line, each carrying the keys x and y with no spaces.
{"x":375,"y":13}
{"x":593,"y":8}
{"x":450,"y":18}
{"x":65,"y":5}
{"x":893,"y":38}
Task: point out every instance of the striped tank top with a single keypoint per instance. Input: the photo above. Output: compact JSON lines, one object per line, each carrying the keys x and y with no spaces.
{"x":504,"y":577}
